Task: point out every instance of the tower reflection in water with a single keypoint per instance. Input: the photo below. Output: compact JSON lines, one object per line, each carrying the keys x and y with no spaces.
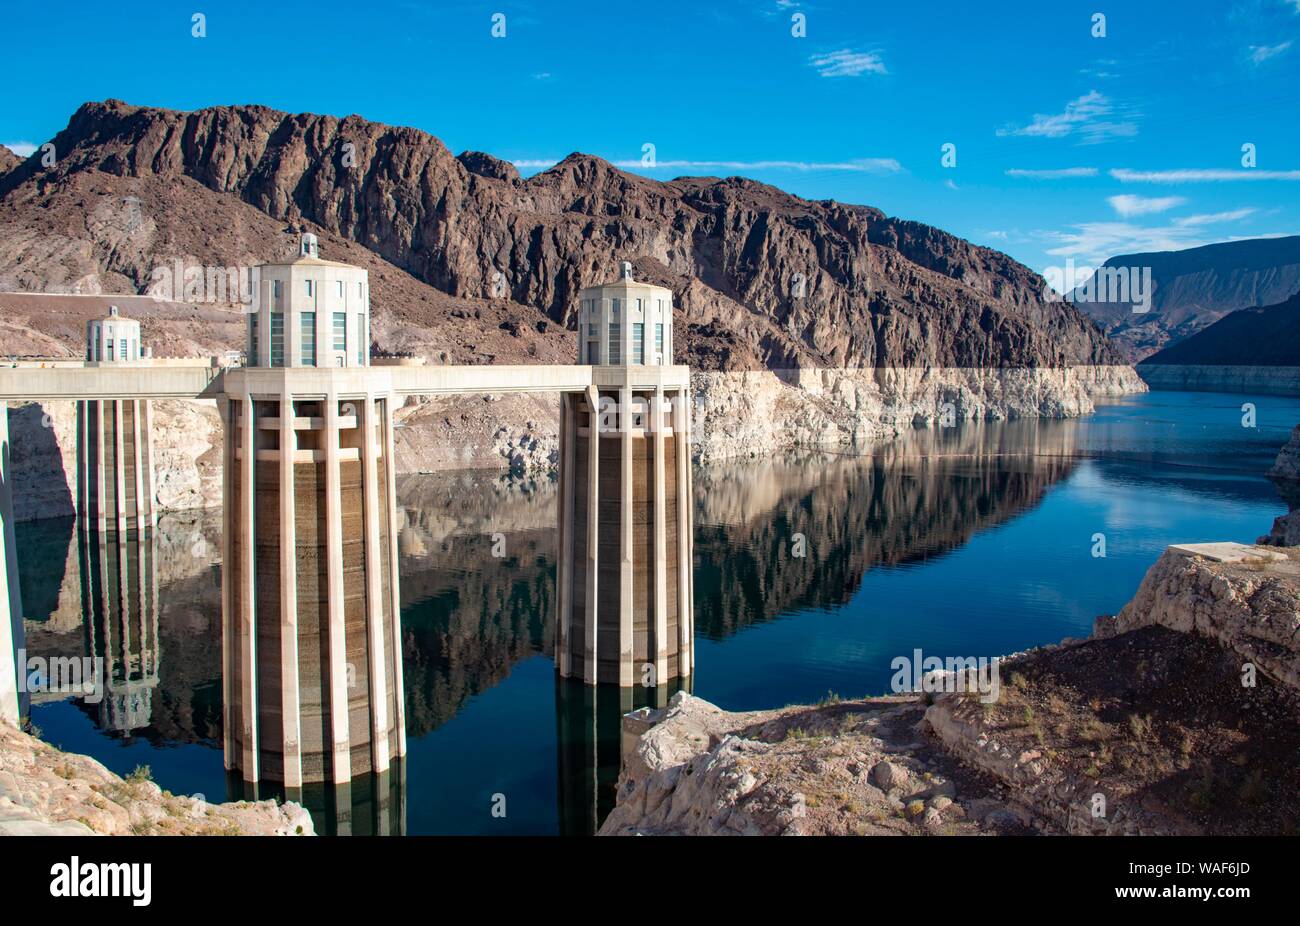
{"x":119,"y":605}
{"x":589,"y":742}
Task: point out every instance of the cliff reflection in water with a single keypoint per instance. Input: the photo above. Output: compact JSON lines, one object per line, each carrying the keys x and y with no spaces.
{"x":911,"y":500}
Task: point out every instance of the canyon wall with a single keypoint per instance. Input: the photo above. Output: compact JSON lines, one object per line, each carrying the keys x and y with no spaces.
{"x":736,"y":415}
{"x":1221,"y":378}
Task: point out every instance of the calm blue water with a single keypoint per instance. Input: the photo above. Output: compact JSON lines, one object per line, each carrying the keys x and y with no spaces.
{"x":976,"y":541}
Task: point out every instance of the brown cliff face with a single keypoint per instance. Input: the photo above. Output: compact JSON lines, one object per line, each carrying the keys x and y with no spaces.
{"x":878,"y":291}
{"x":8,"y":160}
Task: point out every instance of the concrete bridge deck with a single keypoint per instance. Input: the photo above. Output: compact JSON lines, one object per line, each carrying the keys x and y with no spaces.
{"x":203,"y":381}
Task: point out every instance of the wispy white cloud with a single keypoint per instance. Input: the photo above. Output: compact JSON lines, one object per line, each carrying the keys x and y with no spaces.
{"x":1092,"y":117}
{"x":1201,"y":175}
{"x":848,"y":63}
{"x":858,"y":165}
{"x":1128,"y":205}
{"x":1095,"y":242}
{"x":1261,"y":53}
{"x":24,"y":149}
{"x":1214,"y":218}
{"x":1059,"y":173}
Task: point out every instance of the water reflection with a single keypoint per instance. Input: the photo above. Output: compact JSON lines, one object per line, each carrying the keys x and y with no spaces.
{"x":477,"y":579}
{"x":803,"y":531}
{"x":119,"y":604}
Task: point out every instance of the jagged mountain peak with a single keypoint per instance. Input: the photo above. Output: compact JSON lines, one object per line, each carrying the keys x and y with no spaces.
{"x":762,"y":277}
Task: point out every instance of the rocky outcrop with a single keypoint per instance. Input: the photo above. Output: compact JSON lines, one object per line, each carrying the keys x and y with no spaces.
{"x":1285,"y":474}
{"x":1287,"y":465}
{"x":47,"y":792}
{"x":1246,"y":598}
{"x":8,"y":160}
{"x":850,"y":768}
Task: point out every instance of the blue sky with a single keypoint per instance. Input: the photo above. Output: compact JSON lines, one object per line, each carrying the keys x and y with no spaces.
{"x":1067,"y":145}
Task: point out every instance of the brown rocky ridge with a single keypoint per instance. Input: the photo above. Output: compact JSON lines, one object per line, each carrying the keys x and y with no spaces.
{"x":470,"y":263}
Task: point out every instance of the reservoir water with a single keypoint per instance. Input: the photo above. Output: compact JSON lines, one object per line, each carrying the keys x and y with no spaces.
{"x":812,"y":573}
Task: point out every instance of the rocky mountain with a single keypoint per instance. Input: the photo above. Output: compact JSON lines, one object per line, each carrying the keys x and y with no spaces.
{"x":133,"y":187}
{"x":1258,"y":336}
{"x":1193,"y":289}
{"x":8,"y":160}
{"x":805,"y":323}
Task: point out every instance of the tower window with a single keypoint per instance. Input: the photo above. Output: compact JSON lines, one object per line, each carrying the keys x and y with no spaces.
{"x":341,"y":331}
{"x":277,"y":339}
{"x":638,"y":342}
{"x":252,"y":341}
{"x":308,"y":339}
{"x":659,"y":341}
{"x":309,"y":287}
{"x":615,"y":304}
{"x":615,"y":342}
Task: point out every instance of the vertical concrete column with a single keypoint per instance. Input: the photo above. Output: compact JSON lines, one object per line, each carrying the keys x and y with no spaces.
{"x":137,"y":431}
{"x":290,"y":696}
{"x":229,"y":593}
{"x":371,"y":435}
{"x":101,"y":490}
{"x":248,"y":584}
{"x":83,"y":465}
{"x":660,"y":571}
{"x":685,"y":607}
{"x":688,"y":410}
{"x":394,"y":591}
{"x":593,"y":536}
{"x":568,"y":441}
{"x":11,"y":601}
{"x":625,"y":540}
{"x":338,"y":669}
{"x":146,"y":457}
{"x":119,"y":469}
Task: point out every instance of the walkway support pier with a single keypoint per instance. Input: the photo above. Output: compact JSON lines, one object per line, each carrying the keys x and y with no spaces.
{"x":12,"y":701}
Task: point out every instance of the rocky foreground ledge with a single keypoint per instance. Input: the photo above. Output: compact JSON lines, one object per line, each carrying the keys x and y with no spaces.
{"x":1179,"y":716}
{"x":47,"y":792}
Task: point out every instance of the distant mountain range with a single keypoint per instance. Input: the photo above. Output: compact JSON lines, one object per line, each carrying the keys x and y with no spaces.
{"x":1194,"y":288}
{"x":1258,"y":336}
{"x":471,"y":263}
